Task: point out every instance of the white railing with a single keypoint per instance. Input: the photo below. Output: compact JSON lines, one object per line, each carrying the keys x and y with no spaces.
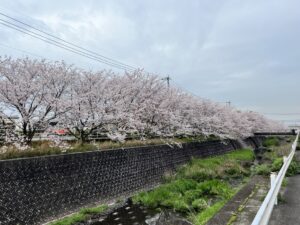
{"x":263,"y":215}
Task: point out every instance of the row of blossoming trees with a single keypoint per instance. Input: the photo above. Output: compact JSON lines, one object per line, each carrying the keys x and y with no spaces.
{"x":40,"y":92}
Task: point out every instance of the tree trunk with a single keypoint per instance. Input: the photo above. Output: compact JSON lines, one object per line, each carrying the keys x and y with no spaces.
{"x":28,"y":134}
{"x":82,"y":137}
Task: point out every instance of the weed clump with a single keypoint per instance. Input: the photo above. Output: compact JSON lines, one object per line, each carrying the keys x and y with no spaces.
{"x":81,"y":216}
{"x":185,"y":195}
{"x":271,"y":141}
{"x":201,"y":187}
{"x":199,"y":204}
{"x":262,"y":169}
{"x":266,"y":169}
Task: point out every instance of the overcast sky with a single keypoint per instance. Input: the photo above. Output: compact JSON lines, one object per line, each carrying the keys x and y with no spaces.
{"x":244,"y":51}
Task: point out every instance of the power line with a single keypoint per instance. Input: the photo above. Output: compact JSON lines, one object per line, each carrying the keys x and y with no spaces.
{"x":49,"y":41}
{"x":60,"y":43}
{"x":67,"y":42}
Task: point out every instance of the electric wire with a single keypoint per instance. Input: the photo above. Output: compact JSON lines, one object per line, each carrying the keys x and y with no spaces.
{"x":61,"y":45}
{"x":67,"y":42}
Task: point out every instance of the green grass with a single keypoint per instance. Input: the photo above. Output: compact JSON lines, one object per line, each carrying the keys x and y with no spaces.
{"x":200,"y":188}
{"x":204,"y":216}
{"x":271,"y":141}
{"x":277,"y":164}
{"x":225,"y":166}
{"x":81,"y":216}
{"x":274,"y":161}
{"x":262,"y":169}
{"x":241,"y":155}
{"x":266,"y":168}
{"x":185,"y":195}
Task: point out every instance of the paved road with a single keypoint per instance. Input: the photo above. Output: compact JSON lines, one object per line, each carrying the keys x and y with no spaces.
{"x":288,"y":211}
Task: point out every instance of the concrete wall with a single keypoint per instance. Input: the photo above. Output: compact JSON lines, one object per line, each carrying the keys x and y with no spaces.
{"x":32,"y":190}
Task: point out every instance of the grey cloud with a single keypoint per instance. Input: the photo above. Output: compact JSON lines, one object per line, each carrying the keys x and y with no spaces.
{"x":243,"y":51}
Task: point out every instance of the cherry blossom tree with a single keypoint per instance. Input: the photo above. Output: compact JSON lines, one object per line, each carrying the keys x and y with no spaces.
{"x":88,"y":104}
{"x":119,"y":105}
{"x":33,"y":90}
{"x":143,"y":104}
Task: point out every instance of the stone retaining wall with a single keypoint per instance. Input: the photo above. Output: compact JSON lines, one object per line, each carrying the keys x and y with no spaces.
{"x":32,"y":190}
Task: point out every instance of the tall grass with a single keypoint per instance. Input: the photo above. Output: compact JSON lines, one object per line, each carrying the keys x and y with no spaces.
{"x":41,"y":148}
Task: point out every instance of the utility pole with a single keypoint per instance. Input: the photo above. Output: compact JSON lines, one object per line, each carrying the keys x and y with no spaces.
{"x":228,"y":103}
{"x":168,"y":80}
